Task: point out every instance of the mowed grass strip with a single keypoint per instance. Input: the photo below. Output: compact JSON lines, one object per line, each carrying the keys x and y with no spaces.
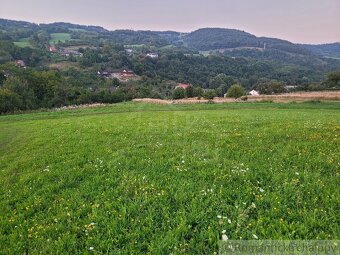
{"x":135,"y":178}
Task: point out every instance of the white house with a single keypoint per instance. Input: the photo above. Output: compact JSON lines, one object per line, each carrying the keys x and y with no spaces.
{"x":152,"y":55}
{"x":254,"y":93}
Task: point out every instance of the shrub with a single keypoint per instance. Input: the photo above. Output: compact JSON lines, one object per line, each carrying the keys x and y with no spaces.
{"x":209,"y":94}
{"x":179,"y":93}
{"x":189,"y":91}
{"x":9,"y":101}
{"x":236,"y":91}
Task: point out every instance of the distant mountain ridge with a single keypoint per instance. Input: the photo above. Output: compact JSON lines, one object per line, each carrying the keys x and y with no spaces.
{"x":328,"y":50}
{"x":221,"y":38}
{"x":204,"y":39}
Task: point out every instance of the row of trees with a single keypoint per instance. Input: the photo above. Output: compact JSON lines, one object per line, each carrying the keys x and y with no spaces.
{"x":234,"y":91}
{"x":26,"y":89}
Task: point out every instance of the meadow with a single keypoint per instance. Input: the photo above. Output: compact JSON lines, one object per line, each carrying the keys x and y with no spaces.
{"x":56,"y":37}
{"x":24,"y":42}
{"x":136,"y":178}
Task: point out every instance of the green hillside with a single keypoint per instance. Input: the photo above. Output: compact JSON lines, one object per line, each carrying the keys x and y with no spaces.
{"x":220,"y":38}
{"x":59,"y":37}
{"x":147,"y":179}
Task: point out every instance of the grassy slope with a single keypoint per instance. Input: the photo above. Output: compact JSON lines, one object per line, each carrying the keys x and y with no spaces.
{"x":56,"y":37}
{"x":24,"y":42}
{"x":154,"y":178}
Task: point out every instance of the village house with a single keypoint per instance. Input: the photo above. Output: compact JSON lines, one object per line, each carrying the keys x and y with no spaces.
{"x":68,"y":53}
{"x":52,"y":49}
{"x":127,"y":73}
{"x":152,"y":55}
{"x":105,"y":74}
{"x":182,"y":85}
{"x":254,"y":93}
{"x":20,"y":63}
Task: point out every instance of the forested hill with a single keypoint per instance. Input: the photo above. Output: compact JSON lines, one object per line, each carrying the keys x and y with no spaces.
{"x":327,"y":50}
{"x":206,"y":39}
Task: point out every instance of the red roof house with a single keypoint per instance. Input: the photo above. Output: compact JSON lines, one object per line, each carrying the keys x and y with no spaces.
{"x":53,"y":49}
{"x":182,"y":85}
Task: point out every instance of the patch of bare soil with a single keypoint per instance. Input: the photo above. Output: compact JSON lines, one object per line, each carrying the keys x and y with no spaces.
{"x":280,"y":98}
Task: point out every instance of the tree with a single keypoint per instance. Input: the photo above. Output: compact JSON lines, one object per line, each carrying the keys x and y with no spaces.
{"x":209,"y":94}
{"x":333,"y":80}
{"x":271,"y":87}
{"x":221,"y":80}
{"x":190,"y":91}
{"x":236,"y":91}
{"x":198,"y":92}
{"x":178,"y":93}
{"x":9,"y":101}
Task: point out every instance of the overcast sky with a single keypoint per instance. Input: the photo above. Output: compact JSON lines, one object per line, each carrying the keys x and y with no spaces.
{"x":300,"y":21}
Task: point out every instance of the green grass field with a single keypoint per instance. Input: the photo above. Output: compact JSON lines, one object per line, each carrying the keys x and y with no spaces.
{"x":135,"y":178}
{"x":23,"y":43}
{"x":56,"y":37}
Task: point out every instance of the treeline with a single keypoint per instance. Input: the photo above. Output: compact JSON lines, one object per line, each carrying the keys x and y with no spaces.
{"x":27,"y":89}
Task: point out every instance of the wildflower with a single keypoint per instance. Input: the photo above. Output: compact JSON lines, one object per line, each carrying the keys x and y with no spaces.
{"x":224,"y":231}
{"x":229,"y":221}
{"x":255,"y":236}
{"x":261,"y":190}
{"x":91,"y":248}
{"x":225,"y":237}
{"x":219,"y":216}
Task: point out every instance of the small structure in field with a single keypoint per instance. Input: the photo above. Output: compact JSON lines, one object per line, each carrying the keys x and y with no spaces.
{"x":254,"y":93}
{"x":182,"y":85}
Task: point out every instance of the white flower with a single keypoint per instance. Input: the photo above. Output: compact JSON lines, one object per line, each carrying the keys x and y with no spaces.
{"x":229,"y":221}
{"x":91,"y":248}
{"x":255,"y":236}
{"x":219,"y":216}
{"x":261,"y":190}
{"x":297,"y":173}
{"x":224,"y":231}
{"x":225,"y":237}
{"x":183,"y":161}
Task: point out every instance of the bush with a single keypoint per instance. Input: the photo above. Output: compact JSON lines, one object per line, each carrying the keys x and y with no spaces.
{"x":9,"y":101}
{"x":179,"y":93}
{"x":198,"y":92}
{"x":209,"y":94}
{"x":236,"y":91}
{"x":189,"y":91}
{"x":271,"y":87}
